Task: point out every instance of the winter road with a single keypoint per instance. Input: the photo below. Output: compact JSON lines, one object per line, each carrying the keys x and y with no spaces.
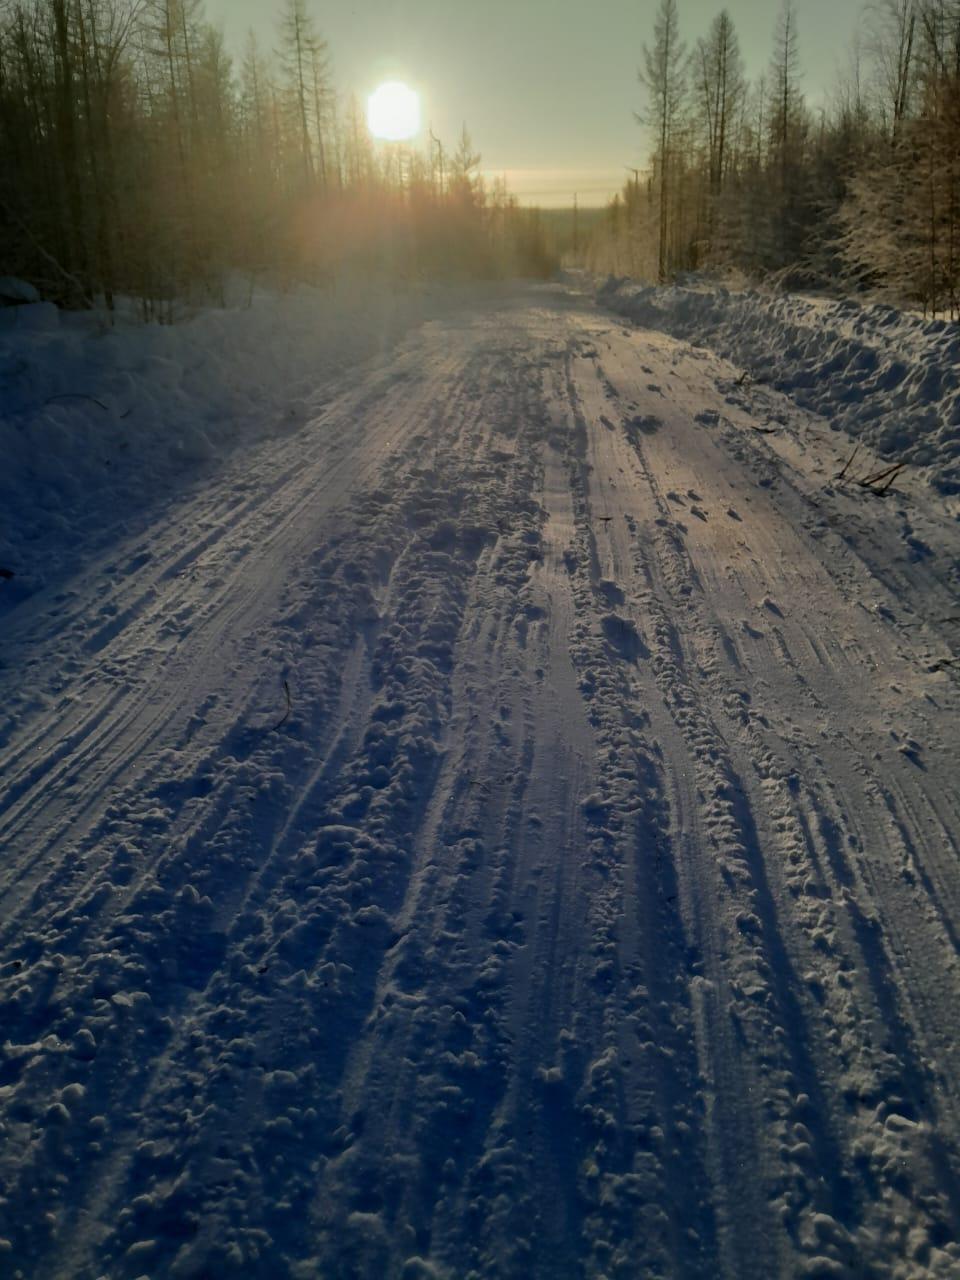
{"x":595,"y":910}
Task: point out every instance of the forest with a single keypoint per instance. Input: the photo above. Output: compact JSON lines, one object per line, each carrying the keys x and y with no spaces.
{"x":861,"y":193}
{"x":136,"y":159}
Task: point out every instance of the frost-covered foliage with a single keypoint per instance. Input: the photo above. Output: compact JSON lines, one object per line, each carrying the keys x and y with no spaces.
{"x":884,"y":376}
{"x":862,"y":195}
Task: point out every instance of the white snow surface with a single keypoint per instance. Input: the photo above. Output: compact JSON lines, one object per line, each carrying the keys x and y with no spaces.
{"x":888,"y":377}
{"x":15,"y":291}
{"x":503,"y":824}
{"x":101,"y":421}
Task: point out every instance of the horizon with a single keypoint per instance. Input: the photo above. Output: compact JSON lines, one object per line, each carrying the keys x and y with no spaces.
{"x":556,"y":188}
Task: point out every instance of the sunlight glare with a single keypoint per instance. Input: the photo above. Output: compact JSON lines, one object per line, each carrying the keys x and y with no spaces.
{"x":393,"y":112}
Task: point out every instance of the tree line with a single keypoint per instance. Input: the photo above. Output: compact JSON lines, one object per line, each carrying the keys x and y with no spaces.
{"x":861,"y":193}
{"x":137,"y":159}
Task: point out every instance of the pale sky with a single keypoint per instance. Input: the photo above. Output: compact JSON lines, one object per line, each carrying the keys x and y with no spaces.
{"x":547,"y":87}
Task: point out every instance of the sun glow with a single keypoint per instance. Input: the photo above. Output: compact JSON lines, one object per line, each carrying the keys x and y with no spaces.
{"x":393,"y":112}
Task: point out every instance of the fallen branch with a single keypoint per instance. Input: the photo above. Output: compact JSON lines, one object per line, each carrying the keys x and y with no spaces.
{"x":895,"y":476}
{"x":77,"y":395}
{"x":889,"y":475}
{"x":286,"y":714}
{"x":850,"y":461}
{"x":868,"y":481}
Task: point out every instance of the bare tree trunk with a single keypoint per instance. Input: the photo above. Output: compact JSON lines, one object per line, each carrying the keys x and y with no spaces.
{"x":67,"y":138}
{"x":104,"y":229}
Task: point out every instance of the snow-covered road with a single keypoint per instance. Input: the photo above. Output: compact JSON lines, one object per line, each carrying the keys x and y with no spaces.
{"x":595,"y":910}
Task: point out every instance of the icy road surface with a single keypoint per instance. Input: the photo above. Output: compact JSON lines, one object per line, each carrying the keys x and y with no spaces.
{"x":594,"y":912}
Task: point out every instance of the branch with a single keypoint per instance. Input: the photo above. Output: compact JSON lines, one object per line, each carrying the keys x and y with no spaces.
{"x":850,"y":462}
{"x":77,"y":395}
{"x":286,"y":714}
{"x":890,"y":474}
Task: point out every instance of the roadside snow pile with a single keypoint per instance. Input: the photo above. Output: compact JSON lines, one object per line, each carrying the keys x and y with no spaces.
{"x":874,"y":372}
{"x":96,"y":423}
{"x":14,"y":291}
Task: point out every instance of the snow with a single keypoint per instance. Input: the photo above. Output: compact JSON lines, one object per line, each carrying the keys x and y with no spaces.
{"x":593,"y":912}
{"x":100,"y":419}
{"x":17,"y":292}
{"x":889,"y":378}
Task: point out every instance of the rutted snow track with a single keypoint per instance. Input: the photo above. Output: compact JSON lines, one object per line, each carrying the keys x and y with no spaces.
{"x":595,"y":911}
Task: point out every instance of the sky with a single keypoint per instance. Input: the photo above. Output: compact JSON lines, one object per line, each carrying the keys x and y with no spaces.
{"x":547,"y":88}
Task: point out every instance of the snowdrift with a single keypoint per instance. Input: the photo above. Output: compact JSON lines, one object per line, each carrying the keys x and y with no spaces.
{"x":97,"y":422}
{"x":890,"y":378}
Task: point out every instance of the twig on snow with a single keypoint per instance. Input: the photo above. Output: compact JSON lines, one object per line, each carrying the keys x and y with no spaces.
{"x":894,"y":476}
{"x":876,"y":482}
{"x":850,"y":461}
{"x":286,"y":715}
{"x":77,"y":395}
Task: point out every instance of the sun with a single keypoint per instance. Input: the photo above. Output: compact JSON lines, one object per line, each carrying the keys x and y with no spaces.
{"x":393,"y":112}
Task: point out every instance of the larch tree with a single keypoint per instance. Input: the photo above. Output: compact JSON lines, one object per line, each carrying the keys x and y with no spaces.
{"x":892,"y":44}
{"x":464,"y":163}
{"x":68,"y":128}
{"x":298,"y":37}
{"x":133,"y":161}
{"x":719,"y":93}
{"x":787,"y":124}
{"x":322,"y":94}
{"x":720,"y":86}
{"x":357,"y":147}
{"x":663,"y":76}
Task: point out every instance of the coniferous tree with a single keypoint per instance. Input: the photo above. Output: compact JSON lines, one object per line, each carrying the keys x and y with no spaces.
{"x":298,"y":38}
{"x":787,"y":136}
{"x":663,"y":76}
{"x":135,"y":160}
{"x":719,"y":79}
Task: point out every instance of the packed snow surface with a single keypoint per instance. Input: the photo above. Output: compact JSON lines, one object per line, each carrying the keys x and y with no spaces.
{"x":884,"y":376}
{"x":99,"y":416}
{"x":502,"y":824}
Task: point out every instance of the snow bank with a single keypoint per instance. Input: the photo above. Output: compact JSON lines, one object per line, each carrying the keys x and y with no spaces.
{"x":13,"y":291}
{"x":97,"y":422}
{"x":874,"y":372}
